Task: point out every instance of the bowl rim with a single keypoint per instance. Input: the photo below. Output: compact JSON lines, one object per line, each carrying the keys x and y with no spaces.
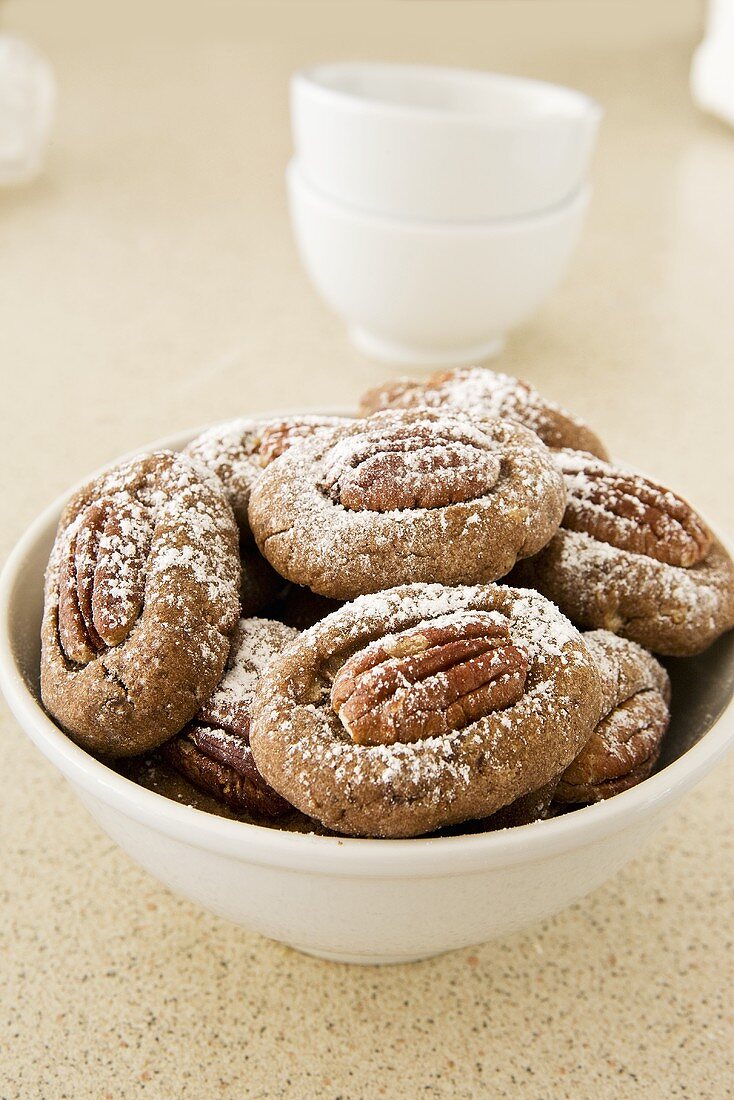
{"x":577,"y":105}
{"x":569,"y":207}
{"x":417,"y":857}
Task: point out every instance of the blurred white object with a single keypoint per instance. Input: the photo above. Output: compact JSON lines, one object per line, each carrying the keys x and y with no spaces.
{"x":712,"y":72}
{"x":414,"y":141}
{"x":27,"y":105}
{"x":430,"y":293}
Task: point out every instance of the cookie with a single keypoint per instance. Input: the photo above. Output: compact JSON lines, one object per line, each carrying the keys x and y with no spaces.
{"x":634,"y":558}
{"x":424,"y":706}
{"x":141,"y":598}
{"x":481,"y":392}
{"x":213,"y":751}
{"x":406,"y":496}
{"x":624,"y":747}
{"x":239,"y":450}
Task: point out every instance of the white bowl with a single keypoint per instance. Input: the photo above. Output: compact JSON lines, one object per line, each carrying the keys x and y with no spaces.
{"x":367,"y":901}
{"x":447,"y":144}
{"x":430,"y":293}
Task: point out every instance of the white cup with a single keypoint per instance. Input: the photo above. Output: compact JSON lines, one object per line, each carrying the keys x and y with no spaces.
{"x":429,"y":143}
{"x":430,"y":293}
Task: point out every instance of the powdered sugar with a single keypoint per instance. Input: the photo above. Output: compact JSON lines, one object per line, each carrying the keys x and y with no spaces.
{"x":630,"y":512}
{"x":480,"y":392}
{"x":232,"y":451}
{"x":587,"y":563}
{"x":401,"y":466}
{"x":254,"y":644}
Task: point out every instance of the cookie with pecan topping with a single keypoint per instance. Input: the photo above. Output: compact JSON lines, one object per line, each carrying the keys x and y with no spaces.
{"x":424,"y":706}
{"x":481,"y":392}
{"x":213,"y":751}
{"x":406,"y":496}
{"x":239,"y":450}
{"x":634,"y":558}
{"x":142,"y":596}
{"x":624,"y":747}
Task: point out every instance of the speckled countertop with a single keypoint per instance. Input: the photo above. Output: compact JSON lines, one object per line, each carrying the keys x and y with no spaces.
{"x":149,"y":284}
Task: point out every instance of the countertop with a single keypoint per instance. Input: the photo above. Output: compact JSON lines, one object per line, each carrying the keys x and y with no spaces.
{"x":148,"y":283}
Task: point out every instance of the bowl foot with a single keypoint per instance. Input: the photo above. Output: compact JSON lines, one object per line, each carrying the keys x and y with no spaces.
{"x":387,"y":351}
{"x":363,"y":960}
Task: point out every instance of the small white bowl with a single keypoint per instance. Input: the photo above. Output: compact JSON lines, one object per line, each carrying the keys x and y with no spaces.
{"x":365,"y":901}
{"x":421,"y":142}
{"x":430,"y":293}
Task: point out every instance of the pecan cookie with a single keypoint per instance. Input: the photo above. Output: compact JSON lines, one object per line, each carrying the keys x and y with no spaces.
{"x":239,"y":450}
{"x":142,"y":595}
{"x":424,"y":706}
{"x":213,"y":752}
{"x":624,"y":747}
{"x":634,"y":558}
{"x":406,"y":496}
{"x":484,"y":393}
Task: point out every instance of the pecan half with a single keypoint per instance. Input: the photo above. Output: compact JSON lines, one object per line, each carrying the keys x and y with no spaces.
{"x":279,"y":435}
{"x":429,"y":680}
{"x":417,"y":465}
{"x":219,"y":761}
{"x":621,"y":752}
{"x":213,"y":751}
{"x":630,"y":512}
{"x":102,"y":576}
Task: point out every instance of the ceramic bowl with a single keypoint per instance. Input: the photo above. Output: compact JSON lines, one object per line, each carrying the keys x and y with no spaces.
{"x":429,"y":143}
{"x":430,"y":294}
{"x":352,"y":900}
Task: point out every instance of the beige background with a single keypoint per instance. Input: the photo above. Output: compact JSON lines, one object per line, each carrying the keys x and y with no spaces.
{"x":148,"y":283}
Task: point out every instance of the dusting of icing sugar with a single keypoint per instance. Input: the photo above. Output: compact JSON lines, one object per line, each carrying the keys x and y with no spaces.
{"x":479,"y":392}
{"x":145,"y":533}
{"x":624,"y":666}
{"x":254,"y":644}
{"x":630,"y":512}
{"x":677,"y":589}
{"x":229,"y":442}
{"x":232,"y":451}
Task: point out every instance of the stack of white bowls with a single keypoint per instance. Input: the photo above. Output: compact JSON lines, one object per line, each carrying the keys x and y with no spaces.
{"x":434,"y":209}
